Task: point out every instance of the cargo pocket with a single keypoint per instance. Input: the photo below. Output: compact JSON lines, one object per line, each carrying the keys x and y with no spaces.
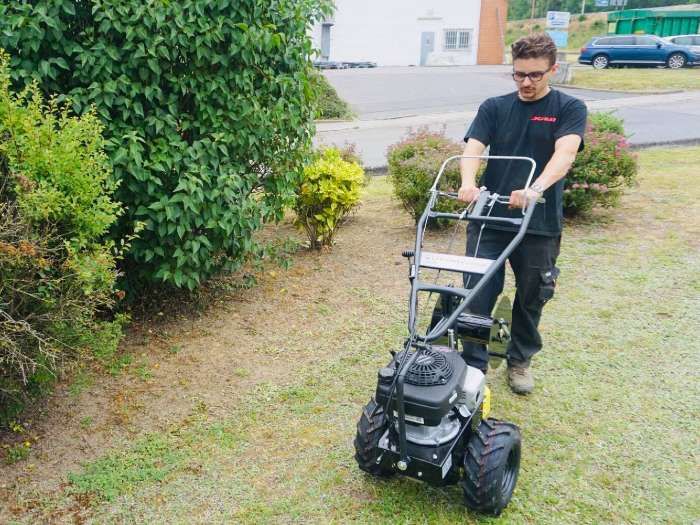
{"x":548,"y":281}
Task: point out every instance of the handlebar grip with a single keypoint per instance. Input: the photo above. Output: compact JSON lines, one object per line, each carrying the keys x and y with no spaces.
{"x":408,"y":253}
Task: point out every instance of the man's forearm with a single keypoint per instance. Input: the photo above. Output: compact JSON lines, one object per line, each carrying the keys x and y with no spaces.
{"x":469,"y":167}
{"x":559,"y":165}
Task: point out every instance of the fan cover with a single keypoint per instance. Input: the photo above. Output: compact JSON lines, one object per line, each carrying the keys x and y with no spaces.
{"x":430,"y":368}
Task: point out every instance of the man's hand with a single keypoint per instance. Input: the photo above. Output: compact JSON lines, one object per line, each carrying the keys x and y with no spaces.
{"x":520,"y":198}
{"x":468,"y":193}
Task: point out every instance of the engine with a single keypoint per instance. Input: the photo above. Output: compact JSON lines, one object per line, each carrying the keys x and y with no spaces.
{"x":438,"y":386}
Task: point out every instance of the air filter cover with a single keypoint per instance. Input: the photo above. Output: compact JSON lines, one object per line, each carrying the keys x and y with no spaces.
{"x":429,"y":368}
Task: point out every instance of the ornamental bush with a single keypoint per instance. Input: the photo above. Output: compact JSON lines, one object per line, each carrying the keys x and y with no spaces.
{"x":413,"y":165}
{"x":208,"y":110}
{"x":602,"y":170}
{"x":329,"y":190}
{"x":56,"y":271}
{"x":329,"y":105}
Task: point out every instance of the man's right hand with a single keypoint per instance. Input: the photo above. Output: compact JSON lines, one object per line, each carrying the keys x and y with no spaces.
{"x":468,"y":193}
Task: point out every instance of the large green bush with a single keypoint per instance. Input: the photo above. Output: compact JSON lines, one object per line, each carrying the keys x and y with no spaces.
{"x":208,"y":110}
{"x":329,"y":190}
{"x":602,"y":170}
{"x":56,"y":273}
{"x":413,"y":165}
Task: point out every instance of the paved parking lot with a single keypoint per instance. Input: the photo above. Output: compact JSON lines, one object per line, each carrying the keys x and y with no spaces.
{"x":390,"y":101}
{"x":390,"y":92}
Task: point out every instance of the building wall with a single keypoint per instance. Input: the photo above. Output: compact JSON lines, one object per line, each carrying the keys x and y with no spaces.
{"x":493,"y":30}
{"x":389,"y":31}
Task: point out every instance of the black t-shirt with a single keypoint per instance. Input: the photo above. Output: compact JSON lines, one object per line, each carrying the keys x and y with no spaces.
{"x":527,"y":129}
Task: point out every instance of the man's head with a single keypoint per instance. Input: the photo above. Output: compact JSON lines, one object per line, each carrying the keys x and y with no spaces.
{"x":534,"y":62}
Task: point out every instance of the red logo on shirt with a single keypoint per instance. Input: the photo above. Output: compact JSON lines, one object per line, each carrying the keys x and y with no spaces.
{"x":538,"y":118}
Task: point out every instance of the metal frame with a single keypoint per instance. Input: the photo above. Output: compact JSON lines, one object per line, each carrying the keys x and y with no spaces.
{"x":467,"y":296}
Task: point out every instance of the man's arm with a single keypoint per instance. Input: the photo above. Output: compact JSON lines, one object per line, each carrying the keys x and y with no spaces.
{"x":468,"y":192}
{"x":565,"y":150}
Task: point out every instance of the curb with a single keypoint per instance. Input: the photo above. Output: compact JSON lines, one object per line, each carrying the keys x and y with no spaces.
{"x":678,"y":142}
{"x":569,"y":86}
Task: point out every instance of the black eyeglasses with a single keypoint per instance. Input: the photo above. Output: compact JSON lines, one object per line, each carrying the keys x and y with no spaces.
{"x":534,"y":76}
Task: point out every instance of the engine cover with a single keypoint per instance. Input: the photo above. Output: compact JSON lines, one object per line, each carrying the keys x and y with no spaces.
{"x":431,"y":387}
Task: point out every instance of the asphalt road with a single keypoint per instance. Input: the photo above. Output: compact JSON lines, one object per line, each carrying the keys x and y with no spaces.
{"x":391,"y":101}
{"x":406,"y":91}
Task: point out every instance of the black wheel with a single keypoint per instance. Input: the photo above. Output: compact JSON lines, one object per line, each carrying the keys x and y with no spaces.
{"x":676,"y":61}
{"x":600,"y":61}
{"x":370,"y":427}
{"x":491,"y":465}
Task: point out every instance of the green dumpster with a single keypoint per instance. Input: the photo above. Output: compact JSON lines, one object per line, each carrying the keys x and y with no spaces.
{"x":658,"y":21}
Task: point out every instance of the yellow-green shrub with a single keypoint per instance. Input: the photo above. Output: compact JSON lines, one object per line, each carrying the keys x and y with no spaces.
{"x":330,"y":189}
{"x":57,"y":272}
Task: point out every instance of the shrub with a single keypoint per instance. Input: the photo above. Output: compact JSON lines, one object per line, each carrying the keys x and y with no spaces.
{"x":413,"y":165}
{"x":208,"y":110}
{"x":602,"y":170}
{"x":329,"y":105}
{"x":329,"y":190}
{"x":607,"y":123}
{"x":56,"y":273}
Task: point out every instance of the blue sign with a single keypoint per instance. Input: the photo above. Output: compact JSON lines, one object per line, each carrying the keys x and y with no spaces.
{"x":602,"y":3}
{"x":561,"y":38}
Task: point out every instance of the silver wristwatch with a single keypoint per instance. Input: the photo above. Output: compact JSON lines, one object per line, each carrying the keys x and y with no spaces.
{"x":536,"y":186}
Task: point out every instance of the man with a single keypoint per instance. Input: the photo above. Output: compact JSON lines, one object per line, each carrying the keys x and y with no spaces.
{"x":547,"y":125}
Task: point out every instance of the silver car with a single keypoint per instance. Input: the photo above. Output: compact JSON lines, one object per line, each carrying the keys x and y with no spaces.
{"x":692,"y":41}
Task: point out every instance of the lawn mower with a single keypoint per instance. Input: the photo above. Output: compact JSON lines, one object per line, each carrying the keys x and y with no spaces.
{"x":428,"y":419}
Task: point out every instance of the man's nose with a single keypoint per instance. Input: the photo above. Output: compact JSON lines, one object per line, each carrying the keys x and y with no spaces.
{"x":527,"y":81}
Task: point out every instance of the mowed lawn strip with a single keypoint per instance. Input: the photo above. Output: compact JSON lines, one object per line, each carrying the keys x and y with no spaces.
{"x":637,"y":79}
{"x":610,"y":434}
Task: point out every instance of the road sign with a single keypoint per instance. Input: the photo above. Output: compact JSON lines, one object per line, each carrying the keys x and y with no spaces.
{"x":602,"y":3}
{"x":561,"y":38}
{"x":558,"y":19}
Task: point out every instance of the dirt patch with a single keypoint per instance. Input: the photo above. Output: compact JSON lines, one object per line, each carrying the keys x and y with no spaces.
{"x":181,"y":366}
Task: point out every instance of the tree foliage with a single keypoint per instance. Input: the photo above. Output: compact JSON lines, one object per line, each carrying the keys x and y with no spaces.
{"x":207,"y":106}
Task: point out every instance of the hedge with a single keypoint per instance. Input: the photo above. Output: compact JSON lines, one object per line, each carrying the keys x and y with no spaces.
{"x":208,"y":110}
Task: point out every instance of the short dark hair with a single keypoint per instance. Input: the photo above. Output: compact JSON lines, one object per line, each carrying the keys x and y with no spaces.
{"x":539,"y":45}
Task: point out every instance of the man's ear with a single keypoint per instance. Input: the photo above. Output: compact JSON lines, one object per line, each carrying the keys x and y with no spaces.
{"x":554,"y":69}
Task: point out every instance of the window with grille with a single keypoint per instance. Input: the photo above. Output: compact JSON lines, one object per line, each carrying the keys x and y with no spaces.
{"x":456,"y":39}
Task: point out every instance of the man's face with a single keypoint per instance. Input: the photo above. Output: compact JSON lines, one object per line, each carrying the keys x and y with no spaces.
{"x":536,"y":85}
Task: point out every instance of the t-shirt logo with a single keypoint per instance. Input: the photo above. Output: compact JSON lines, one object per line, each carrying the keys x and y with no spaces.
{"x":539,"y":118}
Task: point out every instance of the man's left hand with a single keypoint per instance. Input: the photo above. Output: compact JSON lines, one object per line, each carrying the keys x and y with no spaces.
{"x":520,"y":198}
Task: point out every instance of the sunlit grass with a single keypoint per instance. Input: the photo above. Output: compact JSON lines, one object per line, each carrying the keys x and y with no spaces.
{"x":637,"y":79}
{"x":610,"y":433}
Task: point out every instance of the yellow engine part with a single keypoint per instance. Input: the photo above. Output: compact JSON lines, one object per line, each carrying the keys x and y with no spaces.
{"x":486,"y":404}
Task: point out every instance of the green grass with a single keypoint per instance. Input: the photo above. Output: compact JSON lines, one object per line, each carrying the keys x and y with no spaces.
{"x":579,"y":32}
{"x":610,"y":434}
{"x":636,"y":79}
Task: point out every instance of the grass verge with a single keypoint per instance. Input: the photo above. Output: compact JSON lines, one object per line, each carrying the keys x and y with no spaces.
{"x":610,"y":434}
{"x":637,"y":79}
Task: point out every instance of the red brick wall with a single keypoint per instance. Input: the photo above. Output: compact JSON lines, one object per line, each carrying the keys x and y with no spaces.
{"x":492,"y":30}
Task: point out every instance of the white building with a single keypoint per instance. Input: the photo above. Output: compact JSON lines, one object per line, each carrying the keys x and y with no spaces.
{"x":414,"y":32}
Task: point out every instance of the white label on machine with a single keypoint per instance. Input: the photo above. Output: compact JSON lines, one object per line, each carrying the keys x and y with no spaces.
{"x":446,"y":466}
{"x":454,"y":263}
{"x":412,"y":419}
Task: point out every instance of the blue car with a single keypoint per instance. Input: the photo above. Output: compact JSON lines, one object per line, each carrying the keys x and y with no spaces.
{"x":636,"y":50}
